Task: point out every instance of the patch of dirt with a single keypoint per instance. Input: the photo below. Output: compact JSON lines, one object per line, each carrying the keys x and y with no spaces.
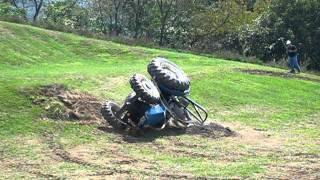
{"x":63,"y":155}
{"x":108,"y":162}
{"x":254,"y":136}
{"x":115,"y":162}
{"x":110,"y":155}
{"x":290,"y":171}
{"x":61,"y":103}
{"x":211,"y":130}
{"x":277,"y":74}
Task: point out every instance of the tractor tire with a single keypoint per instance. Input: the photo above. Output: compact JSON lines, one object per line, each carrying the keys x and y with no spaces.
{"x":145,"y":89}
{"x":130,"y":96}
{"x":168,"y":74}
{"x":108,"y":111}
{"x":179,"y":117}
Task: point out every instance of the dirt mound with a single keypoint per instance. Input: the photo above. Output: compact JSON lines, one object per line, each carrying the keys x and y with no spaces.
{"x":212,"y":130}
{"x":61,"y":103}
{"x":277,"y":74}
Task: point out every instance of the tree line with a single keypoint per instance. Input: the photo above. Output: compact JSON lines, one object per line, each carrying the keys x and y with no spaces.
{"x":255,"y":28}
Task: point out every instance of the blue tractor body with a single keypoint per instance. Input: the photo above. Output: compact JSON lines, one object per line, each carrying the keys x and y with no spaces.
{"x":154,"y":116}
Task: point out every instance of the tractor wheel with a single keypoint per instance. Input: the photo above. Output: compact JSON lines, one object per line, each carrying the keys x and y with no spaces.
{"x":145,"y":89}
{"x":179,"y":116}
{"x":130,"y":96}
{"x":168,"y":74}
{"x":108,"y":111}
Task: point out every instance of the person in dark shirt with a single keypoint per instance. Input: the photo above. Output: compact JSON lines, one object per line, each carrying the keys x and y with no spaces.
{"x":293,"y":57}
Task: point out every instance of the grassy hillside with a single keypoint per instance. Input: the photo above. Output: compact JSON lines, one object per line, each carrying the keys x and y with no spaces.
{"x":276,"y":115}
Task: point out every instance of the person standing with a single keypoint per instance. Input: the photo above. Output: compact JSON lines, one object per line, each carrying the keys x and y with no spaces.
{"x":293,"y":57}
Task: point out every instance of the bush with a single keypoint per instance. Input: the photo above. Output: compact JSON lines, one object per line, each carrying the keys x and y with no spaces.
{"x":11,"y":13}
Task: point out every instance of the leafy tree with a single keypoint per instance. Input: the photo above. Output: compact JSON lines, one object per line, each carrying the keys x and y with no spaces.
{"x":68,"y":13}
{"x":35,"y":5}
{"x":9,"y":11}
{"x":136,"y":13}
{"x":250,"y":27}
{"x":285,"y":19}
{"x":214,"y":21}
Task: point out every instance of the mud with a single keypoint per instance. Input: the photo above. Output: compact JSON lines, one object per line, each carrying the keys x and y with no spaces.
{"x":277,"y":74}
{"x":61,"y":103}
{"x":211,"y":130}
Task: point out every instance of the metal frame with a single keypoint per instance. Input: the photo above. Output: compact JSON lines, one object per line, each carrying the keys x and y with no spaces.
{"x":197,"y":107}
{"x":200,"y":116}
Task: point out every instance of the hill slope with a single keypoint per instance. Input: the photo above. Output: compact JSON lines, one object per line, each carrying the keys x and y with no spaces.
{"x":276,"y":115}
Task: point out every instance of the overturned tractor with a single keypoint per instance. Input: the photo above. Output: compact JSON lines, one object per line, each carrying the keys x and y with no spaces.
{"x":157,"y":103}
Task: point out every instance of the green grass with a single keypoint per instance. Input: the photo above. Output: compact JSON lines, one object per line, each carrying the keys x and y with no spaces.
{"x":288,"y":109}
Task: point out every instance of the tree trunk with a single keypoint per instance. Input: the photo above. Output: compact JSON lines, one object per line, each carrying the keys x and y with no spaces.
{"x":137,"y":19}
{"x":162,"y":33}
{"x":37,"y":9}
{"x":164,"y":14}
{"x":116,"y":27}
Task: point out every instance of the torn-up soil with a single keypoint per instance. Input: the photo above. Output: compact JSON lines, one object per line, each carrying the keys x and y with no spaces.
{"x":210,"y":130}
{"x":61,"y":103}
{"x":277,"y":74}
{"x":254,"y":136}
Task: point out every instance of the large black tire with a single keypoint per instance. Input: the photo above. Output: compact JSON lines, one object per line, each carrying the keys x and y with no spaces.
{"x":145,"y":89}
{"x":168,"y":74}
{"x":108,"y":111}
{"x":130,"y":96}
